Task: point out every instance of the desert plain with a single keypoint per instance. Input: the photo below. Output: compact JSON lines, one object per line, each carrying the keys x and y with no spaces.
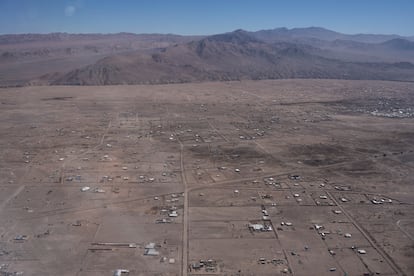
{"x":270,"y":177}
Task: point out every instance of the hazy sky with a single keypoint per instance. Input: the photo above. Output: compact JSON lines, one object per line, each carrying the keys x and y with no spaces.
{"x":204,"y":16}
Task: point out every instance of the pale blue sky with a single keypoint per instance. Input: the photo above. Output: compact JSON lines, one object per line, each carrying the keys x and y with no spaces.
{"x":204,"y":16}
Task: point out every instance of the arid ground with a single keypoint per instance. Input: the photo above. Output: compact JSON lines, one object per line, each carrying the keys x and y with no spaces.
{"x":275,"y":177}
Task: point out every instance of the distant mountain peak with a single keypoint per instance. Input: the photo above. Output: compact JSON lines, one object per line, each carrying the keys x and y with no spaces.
{"x":238,"y":36}
{"x":399,"y":44}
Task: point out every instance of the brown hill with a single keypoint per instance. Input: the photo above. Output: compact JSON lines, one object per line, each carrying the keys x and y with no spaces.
{"x":230,"y":56}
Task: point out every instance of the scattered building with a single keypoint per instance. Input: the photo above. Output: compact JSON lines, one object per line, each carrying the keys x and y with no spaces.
{"x":119,"y":272}
{"x":260,"y":227}
{"x":150,"y":250}
{"x":362,"y":251}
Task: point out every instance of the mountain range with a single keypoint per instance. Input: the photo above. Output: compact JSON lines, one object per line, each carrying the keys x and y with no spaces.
{"x":125,"y":58}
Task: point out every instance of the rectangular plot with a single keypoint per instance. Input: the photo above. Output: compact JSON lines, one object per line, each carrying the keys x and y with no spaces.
{"x":224,"y":198}
{"x":224,"y":213}
{"x":299,"y":240}
{"x":242,"y":255}
{"x":337,"y":239}
{"x":316,"y":263}
{"x":375,"y":262}
{"x":350,"y":262}
{"x":225,"y":230}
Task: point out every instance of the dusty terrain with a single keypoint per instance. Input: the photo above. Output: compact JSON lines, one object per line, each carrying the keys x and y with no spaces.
{"x":90,"y":176}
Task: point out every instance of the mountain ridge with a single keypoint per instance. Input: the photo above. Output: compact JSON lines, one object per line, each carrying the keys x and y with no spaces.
{"x":229,"y":56}
{"x":127,"y":58}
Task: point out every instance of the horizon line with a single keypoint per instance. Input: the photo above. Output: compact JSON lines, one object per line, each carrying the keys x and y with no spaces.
{"x":178,"y":34}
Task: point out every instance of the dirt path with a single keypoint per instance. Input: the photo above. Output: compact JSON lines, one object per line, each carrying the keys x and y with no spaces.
{"x":404,"y":231}
{"x":13,"y":195}
{"x":184,"y":262}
